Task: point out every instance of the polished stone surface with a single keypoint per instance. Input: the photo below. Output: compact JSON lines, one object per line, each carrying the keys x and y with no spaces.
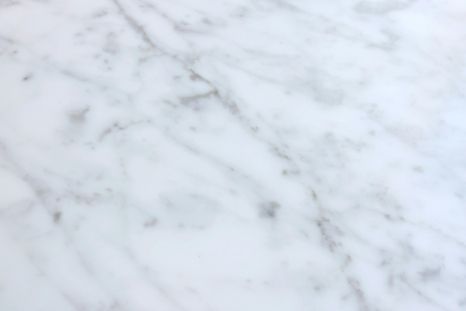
{"x":232,"y":155}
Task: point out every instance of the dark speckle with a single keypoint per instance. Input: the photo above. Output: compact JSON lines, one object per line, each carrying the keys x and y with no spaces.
{"x":79,"y":116}
{"x":151,"y":223}
{"x":27,"y":77}
{"x":269,"y":209}
{"x":194,"y":77}
{"x":56,"y":217}
{"x":290,"y":172}
{"x":430,"y":273}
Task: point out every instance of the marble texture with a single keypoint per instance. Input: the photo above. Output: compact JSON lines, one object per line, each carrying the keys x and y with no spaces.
{"x":278,"y":155}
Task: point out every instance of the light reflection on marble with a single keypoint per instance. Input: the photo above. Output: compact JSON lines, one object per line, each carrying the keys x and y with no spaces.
{"x":278,"y":155}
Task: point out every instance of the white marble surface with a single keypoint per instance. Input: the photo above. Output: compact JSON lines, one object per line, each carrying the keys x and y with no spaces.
{"x":234,"y":155}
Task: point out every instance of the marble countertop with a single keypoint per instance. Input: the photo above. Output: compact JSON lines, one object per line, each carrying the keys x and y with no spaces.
{"x":232,"y":155}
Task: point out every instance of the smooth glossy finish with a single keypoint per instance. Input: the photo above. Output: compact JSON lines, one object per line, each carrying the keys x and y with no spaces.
{"x":238,"y":155}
